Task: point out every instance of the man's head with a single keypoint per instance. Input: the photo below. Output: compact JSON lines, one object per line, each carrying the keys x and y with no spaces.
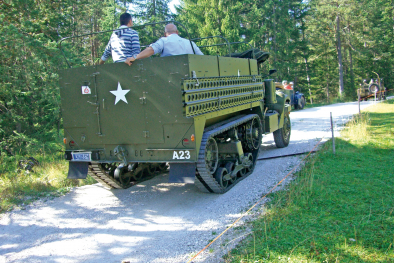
{"x":170,"y":29}
{"x":125,"y":20}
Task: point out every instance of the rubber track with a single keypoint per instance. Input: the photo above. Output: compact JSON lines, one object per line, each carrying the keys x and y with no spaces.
{"x":204,"y":178}
{"x":100,"y":176}
{"x":103,"y":178}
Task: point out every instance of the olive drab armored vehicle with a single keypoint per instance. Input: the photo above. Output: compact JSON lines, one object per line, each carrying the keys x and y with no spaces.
{"x":203,"y":115}
{"x":375,"y":87}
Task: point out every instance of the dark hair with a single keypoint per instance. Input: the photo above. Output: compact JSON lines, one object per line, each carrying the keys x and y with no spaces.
{"x":124,"y":19}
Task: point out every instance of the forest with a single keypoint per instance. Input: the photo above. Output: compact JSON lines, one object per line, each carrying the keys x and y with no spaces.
{"x":325,"y":47}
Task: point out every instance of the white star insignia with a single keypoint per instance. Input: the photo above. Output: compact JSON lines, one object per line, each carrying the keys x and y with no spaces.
{"x":120,"y":94}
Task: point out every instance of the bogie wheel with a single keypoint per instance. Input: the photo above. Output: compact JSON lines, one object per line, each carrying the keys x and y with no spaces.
{"x":150,"y":169}
{"x":253,"y":134}
{"x":220,"y":173}
{"x":248,"y":168}
{"x":282,"y":135}
{"x":211,"y":155}
{"x":122,"y":175}
{"x":139,"y":172}
{"x":162,"y":167}
{"x":230,"y":167}
{"x":138,"y":176}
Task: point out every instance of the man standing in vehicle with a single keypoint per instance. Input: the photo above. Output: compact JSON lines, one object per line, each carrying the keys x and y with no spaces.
{"x":170,"y":45}
{"x":124,"y":43}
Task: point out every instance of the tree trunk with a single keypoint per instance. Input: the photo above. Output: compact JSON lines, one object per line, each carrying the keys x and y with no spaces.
{"x":307,"y":71}
{"x":340,"y":64}
{"x":351,"y":64}
{"x":351,"y":72}
{"x":327,"y":81}
{"x":305,"y":58}
{"x":274,"y":35}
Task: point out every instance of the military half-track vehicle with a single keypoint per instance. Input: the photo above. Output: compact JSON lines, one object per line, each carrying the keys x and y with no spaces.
{"x":204,"y":115}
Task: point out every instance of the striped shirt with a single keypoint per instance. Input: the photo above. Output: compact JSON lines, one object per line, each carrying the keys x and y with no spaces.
{"x":123,"y":44}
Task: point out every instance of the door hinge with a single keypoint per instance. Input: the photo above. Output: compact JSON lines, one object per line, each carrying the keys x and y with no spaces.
{"x":143,"y":98}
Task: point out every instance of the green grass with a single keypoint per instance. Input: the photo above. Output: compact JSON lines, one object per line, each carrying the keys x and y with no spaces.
{"x":19,"y":187}
{"x":339,"y":208}
{"x":309,"y":105}
{"x":325,"y":103}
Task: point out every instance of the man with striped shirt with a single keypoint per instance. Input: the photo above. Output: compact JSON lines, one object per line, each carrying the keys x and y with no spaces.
{"x":124,"y":43}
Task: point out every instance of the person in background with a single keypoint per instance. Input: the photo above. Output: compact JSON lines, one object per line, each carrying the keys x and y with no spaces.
{"x":124,"y":43}
{"x":169,"y":45}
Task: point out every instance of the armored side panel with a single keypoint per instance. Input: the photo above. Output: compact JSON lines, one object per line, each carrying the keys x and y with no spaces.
{"x":203,"y":66}
{"x":233,"y":66}
{"x":253,"y":67}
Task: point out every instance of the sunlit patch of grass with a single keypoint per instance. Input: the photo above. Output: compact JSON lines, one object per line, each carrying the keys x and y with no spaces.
{"x":19,"y":187}
{"x":339,"y":208}
{"x":357,"y":128}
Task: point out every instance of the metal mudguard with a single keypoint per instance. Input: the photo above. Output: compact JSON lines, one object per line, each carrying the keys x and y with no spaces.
{"x":182,"y":173}
{"x":77,"y":170}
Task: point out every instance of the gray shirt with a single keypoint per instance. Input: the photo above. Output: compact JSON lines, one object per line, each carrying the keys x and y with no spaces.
{"x":174,"y":45}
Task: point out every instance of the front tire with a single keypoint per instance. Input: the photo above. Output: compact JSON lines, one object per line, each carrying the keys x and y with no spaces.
{"x":282,"y":135}
{"x":373,"y":88}
{"x":302,"y":103}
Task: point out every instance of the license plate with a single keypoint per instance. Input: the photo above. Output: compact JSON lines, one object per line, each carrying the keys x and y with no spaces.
{"x":82,"y":157}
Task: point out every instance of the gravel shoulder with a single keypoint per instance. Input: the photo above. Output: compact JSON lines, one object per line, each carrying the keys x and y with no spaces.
{"x":155,"y":221}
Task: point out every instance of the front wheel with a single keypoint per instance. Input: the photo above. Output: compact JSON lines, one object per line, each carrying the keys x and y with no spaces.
{"x":302,"y":103}
{"x":282,"y":135}
{"x":373,"y":88}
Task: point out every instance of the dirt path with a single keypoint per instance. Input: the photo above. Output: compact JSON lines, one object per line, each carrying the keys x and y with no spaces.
{"x":153,"y":221}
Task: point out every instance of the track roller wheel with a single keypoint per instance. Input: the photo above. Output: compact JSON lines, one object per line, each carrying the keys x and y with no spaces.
{"x":253,"y":134}
{"x":150,"y":169}
{"x":211,"y":155}
{"x":230,"y":168}
{"x":122,"y":174}
{"x":139,"y":172}
{"x":220,"y":173}
{"x":248,"y":164}
{"x":162,"y":167}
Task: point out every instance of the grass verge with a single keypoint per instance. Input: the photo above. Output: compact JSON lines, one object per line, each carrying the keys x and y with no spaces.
{"x":19,"y":187}
{"x":339,"y":208}
{"x":314,"y":105}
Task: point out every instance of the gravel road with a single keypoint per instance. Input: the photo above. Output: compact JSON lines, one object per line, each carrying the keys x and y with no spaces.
{"x":155,"y":221}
